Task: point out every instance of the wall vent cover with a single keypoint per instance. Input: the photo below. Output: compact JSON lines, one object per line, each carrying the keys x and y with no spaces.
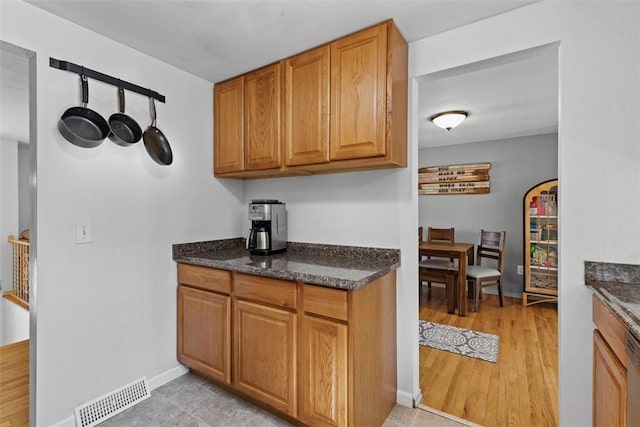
{"x":110,"y":404}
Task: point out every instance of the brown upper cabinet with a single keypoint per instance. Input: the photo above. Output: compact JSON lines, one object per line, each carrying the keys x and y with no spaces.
{"x":228,"y":98}
{"x":306,"y":107}
{"x":358,"y":92}
{"x":262,"y":118}
{"x":339,"y":107}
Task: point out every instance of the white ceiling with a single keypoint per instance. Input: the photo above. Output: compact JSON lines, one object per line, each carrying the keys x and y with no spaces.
{"x":506,"y":97}
{"x":218,"y":39}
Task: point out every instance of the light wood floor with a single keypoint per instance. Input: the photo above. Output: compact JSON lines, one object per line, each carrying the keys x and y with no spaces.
{"x":14,"y":384}
{"x":521,"y":389}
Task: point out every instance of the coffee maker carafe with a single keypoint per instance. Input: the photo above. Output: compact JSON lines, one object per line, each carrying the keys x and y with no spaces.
{"x":268,"y":232}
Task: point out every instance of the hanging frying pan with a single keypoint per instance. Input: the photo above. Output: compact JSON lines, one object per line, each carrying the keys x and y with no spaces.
{"x":82,"y":126}
{"x":155,"y":142}
{"x":124,"y":130}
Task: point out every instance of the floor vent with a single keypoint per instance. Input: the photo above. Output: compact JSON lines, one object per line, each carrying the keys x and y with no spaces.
{"x":98,"y":410}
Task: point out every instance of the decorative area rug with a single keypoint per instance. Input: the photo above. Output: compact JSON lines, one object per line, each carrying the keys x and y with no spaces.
{"x":459,"y":340}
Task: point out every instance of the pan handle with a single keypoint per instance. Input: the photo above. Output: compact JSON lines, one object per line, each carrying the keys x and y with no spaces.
{"x":85,"y":90}
{"x":121,"y":99}
{"x":153,"y":111}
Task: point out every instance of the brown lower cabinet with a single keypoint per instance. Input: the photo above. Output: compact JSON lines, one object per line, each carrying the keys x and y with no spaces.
{"x":264,"y":354}
{"x":609,"y":368}
{"x":204,"y":331}
{"x":324,"y":356}
{"x":323,"y":372}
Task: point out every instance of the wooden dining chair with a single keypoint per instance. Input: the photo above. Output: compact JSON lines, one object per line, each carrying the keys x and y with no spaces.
{"x":442,"y":235}
{"x":491,"y":247}
{"x":439,"y":270}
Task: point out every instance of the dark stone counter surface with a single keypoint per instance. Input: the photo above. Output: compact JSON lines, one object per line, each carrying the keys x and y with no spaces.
{"x":343,"y":267}
{"x":618,"y":286}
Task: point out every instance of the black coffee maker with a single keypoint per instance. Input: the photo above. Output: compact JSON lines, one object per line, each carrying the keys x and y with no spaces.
{"x":268,"y":233}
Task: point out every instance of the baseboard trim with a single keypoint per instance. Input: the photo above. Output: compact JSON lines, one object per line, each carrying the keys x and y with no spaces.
{"x":67,"y":422}
{"x":417,"y":399}
{"x":406,"y":399}
{"x":153,"y":383}
{"x":165,"y":377}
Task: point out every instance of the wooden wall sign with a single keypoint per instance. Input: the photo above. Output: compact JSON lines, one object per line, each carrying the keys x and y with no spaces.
{"x":454,"y":179}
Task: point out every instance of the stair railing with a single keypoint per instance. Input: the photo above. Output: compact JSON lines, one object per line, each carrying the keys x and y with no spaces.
{"x":19,"y":293}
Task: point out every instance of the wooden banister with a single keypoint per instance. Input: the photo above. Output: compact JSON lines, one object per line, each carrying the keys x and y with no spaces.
{"x":19,"y":293}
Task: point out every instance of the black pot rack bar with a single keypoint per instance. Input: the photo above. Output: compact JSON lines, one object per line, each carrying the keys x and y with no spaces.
{"x":96,"y":75}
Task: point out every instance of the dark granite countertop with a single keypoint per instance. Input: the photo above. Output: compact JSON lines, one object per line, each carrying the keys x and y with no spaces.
{"x":343,"y":267}
{"x":618,"y":286}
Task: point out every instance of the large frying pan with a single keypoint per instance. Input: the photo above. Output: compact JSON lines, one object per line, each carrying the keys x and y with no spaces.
{"x":124,"y":130}
{"x":155,"y":142}
{"x":82,"y":126}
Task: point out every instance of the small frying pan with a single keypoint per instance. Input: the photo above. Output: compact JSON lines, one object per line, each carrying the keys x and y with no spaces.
{"x":124,"y":130}
{"x":155,"y":142}
{"x":82,"y":126}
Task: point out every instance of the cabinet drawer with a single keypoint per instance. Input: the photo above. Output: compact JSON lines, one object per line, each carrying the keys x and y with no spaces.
{"x":205,"y":278}
{"x":281,"y":293}
{"x":611,"y":328}
{"x":325,"y":302}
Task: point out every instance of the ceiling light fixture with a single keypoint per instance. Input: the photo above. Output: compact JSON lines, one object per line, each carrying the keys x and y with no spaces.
{"x":449,"y":119}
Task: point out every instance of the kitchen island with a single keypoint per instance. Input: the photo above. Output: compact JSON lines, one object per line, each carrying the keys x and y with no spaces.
{"x":309,"y":333}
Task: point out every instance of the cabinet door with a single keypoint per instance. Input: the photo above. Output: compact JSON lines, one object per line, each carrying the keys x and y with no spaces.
{"x":265,"y":354}
{"x":306,"y":107}
{"x":204,"y":334}
{"x":262,"y":118}
{"x":358,"y":94}
{"x":323,"y":372}
{"x":609,"y":386}
{"x":228,"y":122}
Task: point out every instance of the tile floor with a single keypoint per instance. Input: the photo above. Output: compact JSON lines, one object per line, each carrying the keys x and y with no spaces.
{"x":190,"y":401}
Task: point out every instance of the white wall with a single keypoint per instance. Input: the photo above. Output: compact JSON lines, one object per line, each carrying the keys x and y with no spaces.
{"x":517,"y":164}
{"x":24,"y":203}
{"x":15,"y":321}
{"x":8,"y":218}
{"x":358,"y":209}
{"x":106,"y":311}
{"x":119,"y":292}
{"x":599,"y":164}
{"x":8,"y":207}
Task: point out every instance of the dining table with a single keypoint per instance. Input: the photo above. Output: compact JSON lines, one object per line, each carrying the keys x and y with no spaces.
{"x":463,"y":252}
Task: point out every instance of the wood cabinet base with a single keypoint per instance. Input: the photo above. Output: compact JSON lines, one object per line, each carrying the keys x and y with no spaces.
{"x":609,"y":386}
{"x":204,"y":338}
{"x":317,"y":355}
{"x":609,"y":368}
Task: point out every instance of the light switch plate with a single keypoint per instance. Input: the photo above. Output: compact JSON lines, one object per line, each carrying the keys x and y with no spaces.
{"x":84,"y":232}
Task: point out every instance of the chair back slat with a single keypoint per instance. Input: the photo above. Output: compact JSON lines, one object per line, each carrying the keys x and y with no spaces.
{"x":492,"y":244}
{"x":441,"y":235}
{"x":493,"y":239}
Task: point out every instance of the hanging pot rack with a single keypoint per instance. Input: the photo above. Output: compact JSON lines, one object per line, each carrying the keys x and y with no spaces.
{"x":96,"y":75}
